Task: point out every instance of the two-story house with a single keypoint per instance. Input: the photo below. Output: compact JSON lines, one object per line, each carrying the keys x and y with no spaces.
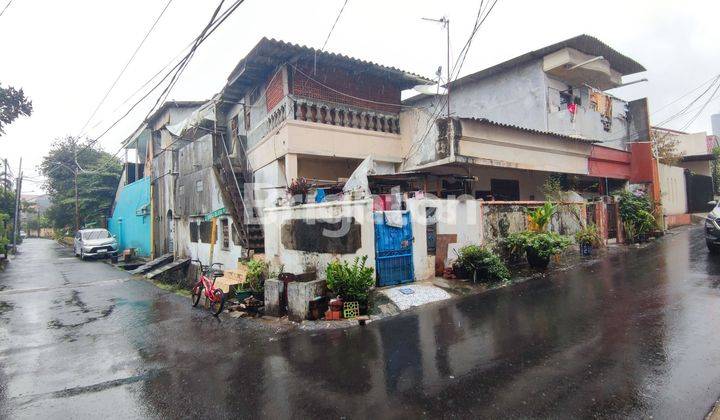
{"x":142,"y":214}
{"x":512,"y":124}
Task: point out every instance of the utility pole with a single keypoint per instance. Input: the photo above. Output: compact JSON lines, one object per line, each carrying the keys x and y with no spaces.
{"x":16,"y":219}
{"x":75,"y":176}
{"x":446,"y":24}
{"x":5,"y":174}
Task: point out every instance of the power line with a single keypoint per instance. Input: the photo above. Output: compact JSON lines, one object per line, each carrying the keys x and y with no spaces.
{"x":457,"y":67}
{"x":127,"y":64}
{"x":688,"y":123}
{"x":684,"y":95}
{"x":213,"y":24}
{"x":6,"y":7}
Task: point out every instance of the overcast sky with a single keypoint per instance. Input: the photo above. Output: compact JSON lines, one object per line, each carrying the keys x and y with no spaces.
{"x":65,"y":54}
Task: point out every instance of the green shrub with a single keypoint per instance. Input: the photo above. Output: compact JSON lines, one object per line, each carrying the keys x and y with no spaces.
{"x":588,"y":235}
{"x":545,"y":244}
{"x":483,"y":263}
{"x":636,"y":208}
{"x":352,"y":282}
{"x":258,"y":271}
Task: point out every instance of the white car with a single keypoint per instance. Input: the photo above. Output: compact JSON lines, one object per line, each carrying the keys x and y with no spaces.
{"x":23,"y":235}
{"x":94,"y":243}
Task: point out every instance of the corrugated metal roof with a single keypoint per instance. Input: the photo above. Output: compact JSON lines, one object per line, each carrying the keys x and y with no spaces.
{"x":584,"y":43}
{"x":267,"y":54}
{"x":528,"y":130}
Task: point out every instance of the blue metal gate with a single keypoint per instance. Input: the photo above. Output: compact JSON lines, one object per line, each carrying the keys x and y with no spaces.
{"x":393,"y":251}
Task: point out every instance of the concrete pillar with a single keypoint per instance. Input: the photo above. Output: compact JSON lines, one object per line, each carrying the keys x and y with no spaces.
{"x":291,"y":167}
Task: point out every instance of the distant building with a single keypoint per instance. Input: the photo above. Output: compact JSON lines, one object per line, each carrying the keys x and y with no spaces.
{"x":715,"y":120}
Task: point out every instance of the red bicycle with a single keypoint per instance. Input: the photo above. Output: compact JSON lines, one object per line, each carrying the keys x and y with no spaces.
{"x":214,"y":297}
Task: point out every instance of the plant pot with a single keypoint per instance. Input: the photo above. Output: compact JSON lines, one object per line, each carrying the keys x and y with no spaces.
{"x":536,"y":261}
{"x":241,"y":295}
{"x":586,"y":250}
{"x":642,"y":237}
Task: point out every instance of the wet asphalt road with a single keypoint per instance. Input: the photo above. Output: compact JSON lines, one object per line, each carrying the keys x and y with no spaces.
{"x":633,"y":335}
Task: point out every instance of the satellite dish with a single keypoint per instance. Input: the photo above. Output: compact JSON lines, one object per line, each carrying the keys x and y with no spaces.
{"x":430,"y":89}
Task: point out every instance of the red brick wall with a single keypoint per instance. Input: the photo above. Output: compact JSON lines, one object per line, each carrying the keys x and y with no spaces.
{"x":274,"y":91}
{"x":363,"y":86}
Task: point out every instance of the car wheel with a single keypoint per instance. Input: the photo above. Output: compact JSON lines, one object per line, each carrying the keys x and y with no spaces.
{"x":713,"y":248}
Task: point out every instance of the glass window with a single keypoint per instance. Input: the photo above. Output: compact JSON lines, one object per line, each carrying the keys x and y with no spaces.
{"x":96,"y":234}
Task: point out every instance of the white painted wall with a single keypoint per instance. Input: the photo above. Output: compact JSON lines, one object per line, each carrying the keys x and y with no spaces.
{"x":299,"y":261}
{"x":460,"y":217}
{"x":672,"y":188}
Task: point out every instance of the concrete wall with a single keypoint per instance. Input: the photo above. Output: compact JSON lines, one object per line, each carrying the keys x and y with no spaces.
{"x":702,"y":167}
{"x":491,"y":145}
{"x":294,"y":261}
{"x":692,"y":143}
{"x":461,"y":218}
{"x":672,"y":188}
{"x":516,"y":96}
{"x":130,"y":221}
{"x":480,"y":223}
{"x":502,"y":219}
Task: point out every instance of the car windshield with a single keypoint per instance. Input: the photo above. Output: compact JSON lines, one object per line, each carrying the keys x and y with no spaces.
{"x":96,"y":234}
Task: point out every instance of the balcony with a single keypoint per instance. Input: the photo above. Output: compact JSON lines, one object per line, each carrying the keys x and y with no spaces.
{"x":325,"y":112}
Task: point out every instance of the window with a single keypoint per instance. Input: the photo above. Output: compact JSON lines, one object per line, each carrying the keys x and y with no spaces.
{"x":505,"y":189}
{"x":225,"y":228}
{"x":199,"y":185}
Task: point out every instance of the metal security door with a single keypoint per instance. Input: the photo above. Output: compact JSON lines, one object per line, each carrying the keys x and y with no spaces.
{"x":393,"y":251}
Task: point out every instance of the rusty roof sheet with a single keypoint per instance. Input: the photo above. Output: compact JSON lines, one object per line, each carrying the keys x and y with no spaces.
{"x":528,"y":130}
{"x":268,"y":53}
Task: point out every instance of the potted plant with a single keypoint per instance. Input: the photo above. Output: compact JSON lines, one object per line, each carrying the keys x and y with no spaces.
{"x":257,"y":272}
{"x":482,"y":263}
{"x":645,"y":225}
{"x":540,"y":247}
{"x":587,"y":238}
{"x":351,"y":282}
{"x":298,"y":190}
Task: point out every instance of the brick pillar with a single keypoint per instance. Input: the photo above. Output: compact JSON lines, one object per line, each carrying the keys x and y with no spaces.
{"x":601,"y":218}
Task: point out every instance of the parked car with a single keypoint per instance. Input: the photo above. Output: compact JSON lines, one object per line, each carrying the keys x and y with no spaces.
{"x":23,"y":235}
{"x":94,"y":243}
{"x":712,"y":228}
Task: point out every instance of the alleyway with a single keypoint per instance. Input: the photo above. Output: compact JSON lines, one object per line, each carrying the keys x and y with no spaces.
{"x":634,"y":335}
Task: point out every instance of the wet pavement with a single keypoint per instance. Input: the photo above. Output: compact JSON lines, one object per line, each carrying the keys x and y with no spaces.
{"x":633,"y":335}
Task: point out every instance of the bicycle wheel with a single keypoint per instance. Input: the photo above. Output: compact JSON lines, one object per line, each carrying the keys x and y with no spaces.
{"x":218,"y":302}
{"x":197,"y":291}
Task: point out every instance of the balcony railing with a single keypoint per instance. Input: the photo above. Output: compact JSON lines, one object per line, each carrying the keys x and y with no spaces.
{"x":324,"y":112}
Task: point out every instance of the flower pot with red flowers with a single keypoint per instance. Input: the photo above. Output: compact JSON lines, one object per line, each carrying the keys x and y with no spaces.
{"x":298,"y":190}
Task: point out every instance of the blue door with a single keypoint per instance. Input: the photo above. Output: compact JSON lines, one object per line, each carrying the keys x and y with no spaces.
{"x":393,"y":250}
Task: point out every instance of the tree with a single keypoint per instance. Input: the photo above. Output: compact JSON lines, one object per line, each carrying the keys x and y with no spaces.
{"x":13,"y":104}
{"x":665,"y":147}
{"x":98,"y":175}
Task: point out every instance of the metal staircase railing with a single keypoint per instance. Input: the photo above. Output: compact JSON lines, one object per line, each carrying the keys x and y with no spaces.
{"x":242,"y":211}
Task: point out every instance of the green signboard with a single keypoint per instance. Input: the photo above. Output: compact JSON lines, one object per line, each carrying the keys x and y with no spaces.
{"x":217,"y":213}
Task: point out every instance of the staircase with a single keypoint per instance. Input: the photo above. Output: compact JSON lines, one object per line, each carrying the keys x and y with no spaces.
{"x":233,"y":173}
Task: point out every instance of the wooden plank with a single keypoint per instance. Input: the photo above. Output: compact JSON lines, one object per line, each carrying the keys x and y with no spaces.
{"x":163,"y":259}
{"x":167,"y":268}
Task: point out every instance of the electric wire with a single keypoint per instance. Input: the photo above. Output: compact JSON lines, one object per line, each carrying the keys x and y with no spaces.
{"x":6,"y":7}
{"x":201,"y":38}
{"x":125,"y":67}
